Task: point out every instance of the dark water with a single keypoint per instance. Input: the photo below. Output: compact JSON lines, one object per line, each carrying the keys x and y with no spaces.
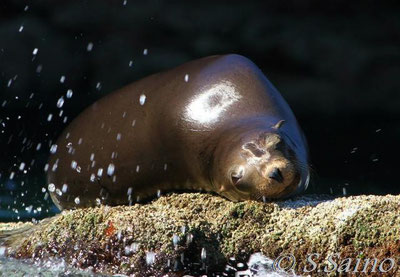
{"x":18,"y":268}
{"x":257,"y":266}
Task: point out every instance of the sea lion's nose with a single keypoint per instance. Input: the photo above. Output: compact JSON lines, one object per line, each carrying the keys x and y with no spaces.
{"x":276,"y":174}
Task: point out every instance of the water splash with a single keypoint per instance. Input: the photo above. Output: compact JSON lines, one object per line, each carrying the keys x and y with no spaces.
{"x":142,"y":99}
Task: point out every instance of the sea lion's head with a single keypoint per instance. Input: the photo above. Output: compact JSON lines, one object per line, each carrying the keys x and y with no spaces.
{"x":264,"y":166}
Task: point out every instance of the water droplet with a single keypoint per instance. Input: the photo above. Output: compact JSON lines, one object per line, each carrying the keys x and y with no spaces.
{"x":64,"y":188}
{"x":21,"y":28}
{"x":22,"y":166}
{"x":203,"y":255}
{"x":53,"y":149}
{"x":133,"y":123}
{"x":142,"y":99}
{"x":145,"y":51}
{"x":12,"y":174}
{"x":69,"y":93}
{"x":150,"y":258}
{"x":240,"y":265}
{"x":89,"y":46}
{"x":60,"y":102}
{"x":62,"y":79}
{"x":92,"y":177}
{"x":78,"y":169}
{"x":110,"y":169}
{"x":127,"y":250}
{"x":137,"y":168}
{"x":119,"y":136}
{"x":125,"y":2}
{"x":189,"y":239}
{"x":175,"y":239}
{"x":134,"y":247}
{"x":49,"y":117}
{"x":51,"y":187}
{"x":99,"y":172}
{"x":354,"y":150}
{"x":29,"y":209}
{"x":2,"y":251}
{"x":165,"y":167}
{"x":77,"y":200}
{"x":119,"y":235}
{"x":58,"y":192}
{"x":130,"y":63}
{"x":129,"y":192}
{"x":74,"y":164}
{"x":92,"y":156}
{"x":35,"y":51}
{"x":187,"y":78}
{"x":159,"y":193}
{"x":39,"y":68}
{"x":98,"y":86}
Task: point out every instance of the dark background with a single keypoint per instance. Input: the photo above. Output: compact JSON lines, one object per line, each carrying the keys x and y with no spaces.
{"x":337,"y":63}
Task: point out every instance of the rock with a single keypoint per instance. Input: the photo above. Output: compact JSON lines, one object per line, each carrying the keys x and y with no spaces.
{"x":197,"y":232}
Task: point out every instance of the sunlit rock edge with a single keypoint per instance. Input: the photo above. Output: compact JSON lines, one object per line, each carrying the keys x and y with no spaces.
{"x":208,"y":230}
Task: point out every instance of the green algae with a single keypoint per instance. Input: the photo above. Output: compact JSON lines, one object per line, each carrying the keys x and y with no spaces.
{"x":117,"y":239}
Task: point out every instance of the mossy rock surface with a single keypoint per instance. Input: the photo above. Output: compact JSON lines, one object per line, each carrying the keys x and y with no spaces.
{"x":197,"y":230}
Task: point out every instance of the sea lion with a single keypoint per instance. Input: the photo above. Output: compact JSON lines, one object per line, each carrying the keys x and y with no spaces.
{"x":214,"y":124}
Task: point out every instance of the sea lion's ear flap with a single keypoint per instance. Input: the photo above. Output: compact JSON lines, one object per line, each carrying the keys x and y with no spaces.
{"x":279,"y":124}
